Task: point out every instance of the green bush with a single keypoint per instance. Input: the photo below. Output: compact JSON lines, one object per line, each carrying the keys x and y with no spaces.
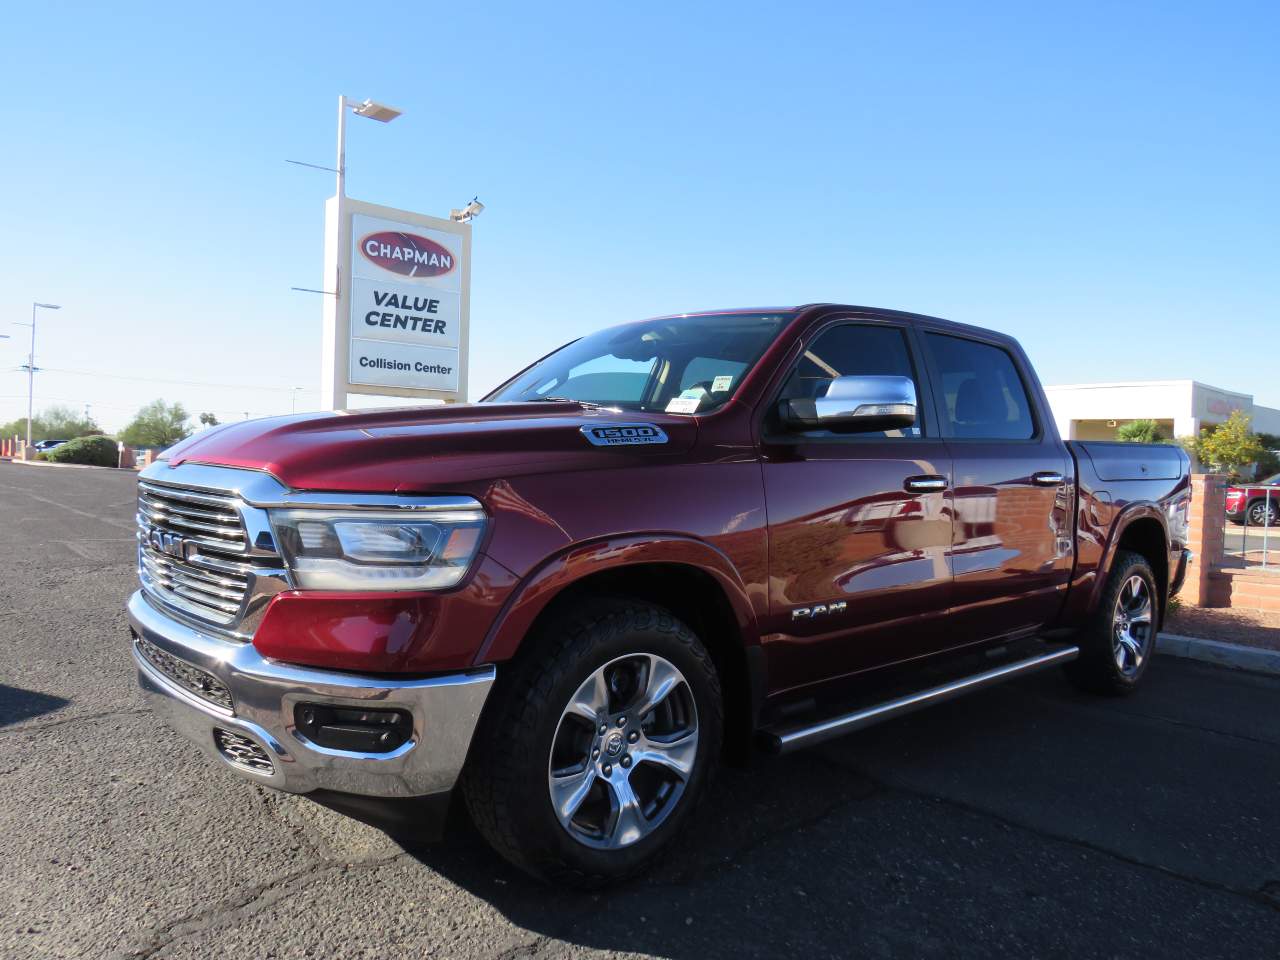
{"x":94,"y":451}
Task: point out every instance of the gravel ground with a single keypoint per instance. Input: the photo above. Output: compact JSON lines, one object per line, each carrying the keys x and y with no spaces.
{"x":1253,"y":628}
{"x":1026,"y":821}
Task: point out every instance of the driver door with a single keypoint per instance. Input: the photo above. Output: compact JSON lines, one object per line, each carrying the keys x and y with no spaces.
{"x":859,"y":523}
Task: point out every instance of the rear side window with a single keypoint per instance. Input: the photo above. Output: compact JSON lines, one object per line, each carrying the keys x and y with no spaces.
{"x":983,"y":396}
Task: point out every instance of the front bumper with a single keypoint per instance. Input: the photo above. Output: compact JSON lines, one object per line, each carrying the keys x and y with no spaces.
{"x":263,"y":694}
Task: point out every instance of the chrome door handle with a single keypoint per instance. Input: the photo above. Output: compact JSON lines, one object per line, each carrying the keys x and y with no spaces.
{"x":1047,"y":478}
{"x":925,"y":484}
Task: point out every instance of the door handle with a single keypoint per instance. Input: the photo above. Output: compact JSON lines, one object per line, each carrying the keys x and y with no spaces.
{"x":925,"y":484}
{"x":1047,"y":478}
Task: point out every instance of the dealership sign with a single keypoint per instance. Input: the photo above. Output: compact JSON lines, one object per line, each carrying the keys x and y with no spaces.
{"x":400,"y":317}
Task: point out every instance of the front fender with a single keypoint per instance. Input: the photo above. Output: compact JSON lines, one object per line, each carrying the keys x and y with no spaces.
{"x":581,"y":560}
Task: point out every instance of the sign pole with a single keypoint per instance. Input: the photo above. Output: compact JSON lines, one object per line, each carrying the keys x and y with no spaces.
{"x":333,"y":394}
{"x":397,"y":288}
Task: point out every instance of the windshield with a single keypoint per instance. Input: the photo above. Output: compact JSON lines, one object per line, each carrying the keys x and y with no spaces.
{"x":678,"y":365}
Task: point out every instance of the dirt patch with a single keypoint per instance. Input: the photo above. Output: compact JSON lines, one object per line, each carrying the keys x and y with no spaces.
{"x":1252,"y":628}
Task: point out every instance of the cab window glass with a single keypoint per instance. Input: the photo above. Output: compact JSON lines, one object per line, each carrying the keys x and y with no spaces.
{"x":849,"y":351}
{"x":711,"y":374}
{"x":601,"y":379}
{"x":982,"y":394}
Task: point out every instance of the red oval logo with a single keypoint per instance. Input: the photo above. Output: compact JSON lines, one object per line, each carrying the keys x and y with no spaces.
{"x":407,"y":254}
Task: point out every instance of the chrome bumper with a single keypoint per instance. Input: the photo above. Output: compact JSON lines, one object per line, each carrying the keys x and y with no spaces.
{"x":444,"y":710}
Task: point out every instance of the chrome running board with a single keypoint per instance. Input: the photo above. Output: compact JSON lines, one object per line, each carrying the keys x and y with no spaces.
{"x":793,"y":738}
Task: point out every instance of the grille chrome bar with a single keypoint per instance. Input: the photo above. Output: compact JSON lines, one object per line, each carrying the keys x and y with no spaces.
{"x":215,"y":520}
{"x":174,"y":577}
{"x":171,"y":579}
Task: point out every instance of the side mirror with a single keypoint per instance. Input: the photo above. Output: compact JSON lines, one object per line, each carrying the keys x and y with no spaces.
{"x":855,"y":405}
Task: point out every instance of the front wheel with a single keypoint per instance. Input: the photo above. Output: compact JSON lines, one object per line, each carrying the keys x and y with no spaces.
{"x":598,"y":744}
{"x":1117,"y":645}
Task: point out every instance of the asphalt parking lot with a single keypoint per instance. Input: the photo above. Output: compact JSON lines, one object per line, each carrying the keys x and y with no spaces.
{"x":1025,"y":821}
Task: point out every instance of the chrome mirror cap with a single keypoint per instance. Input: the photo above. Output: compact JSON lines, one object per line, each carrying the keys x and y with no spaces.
{"x":855,"y":404}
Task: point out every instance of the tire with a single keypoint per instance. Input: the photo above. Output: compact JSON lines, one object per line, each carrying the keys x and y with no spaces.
{"x":624,"y":797}
{"x":1261,"y":516}
{"x":1117,"y":645}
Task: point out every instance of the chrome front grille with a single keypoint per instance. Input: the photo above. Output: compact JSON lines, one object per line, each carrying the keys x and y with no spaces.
{"x":202,"y":683}
{"x":192,"y":551}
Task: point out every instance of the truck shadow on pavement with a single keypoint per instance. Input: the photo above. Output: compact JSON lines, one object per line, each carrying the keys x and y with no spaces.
{"x":17,"y":704}
{"x":999,"y":824}
{"x":751,"y":833}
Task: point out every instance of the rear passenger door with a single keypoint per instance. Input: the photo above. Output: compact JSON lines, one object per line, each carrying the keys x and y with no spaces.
{"x":1012,"y":536}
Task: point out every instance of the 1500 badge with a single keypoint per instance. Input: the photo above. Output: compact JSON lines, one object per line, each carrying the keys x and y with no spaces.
{"x":624,"y":434}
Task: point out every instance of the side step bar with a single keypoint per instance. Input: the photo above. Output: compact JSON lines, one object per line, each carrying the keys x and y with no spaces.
{"x":786,"y":740}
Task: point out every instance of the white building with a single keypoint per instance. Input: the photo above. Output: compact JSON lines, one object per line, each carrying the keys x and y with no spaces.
{"x":1093,"y":411}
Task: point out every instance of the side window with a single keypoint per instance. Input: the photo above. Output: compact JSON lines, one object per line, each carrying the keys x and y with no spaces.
{"x":852,"y":350}
{"x":982,"y":394}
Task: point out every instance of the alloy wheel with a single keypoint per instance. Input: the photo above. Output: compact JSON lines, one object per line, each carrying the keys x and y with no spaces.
{"x":623,"y":751}
{"x":1132,"y":623}
{"x":1263,"y":514}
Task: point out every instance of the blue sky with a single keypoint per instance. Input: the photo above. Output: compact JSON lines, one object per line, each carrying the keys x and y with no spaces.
{"x":1099,"y":180}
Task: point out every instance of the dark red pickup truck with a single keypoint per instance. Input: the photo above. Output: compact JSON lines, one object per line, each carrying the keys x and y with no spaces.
{"x":666,"y":542}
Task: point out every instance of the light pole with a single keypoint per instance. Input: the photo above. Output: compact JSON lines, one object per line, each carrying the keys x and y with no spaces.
{"x":368,"y":108}
{"x":31,"y":362}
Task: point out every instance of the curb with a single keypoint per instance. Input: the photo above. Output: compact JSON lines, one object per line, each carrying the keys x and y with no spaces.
{"x":69,"y":466}
{"x":1217,"y":652}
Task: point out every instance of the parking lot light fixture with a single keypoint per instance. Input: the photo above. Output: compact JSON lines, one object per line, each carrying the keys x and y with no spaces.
{"x":376,"y":111}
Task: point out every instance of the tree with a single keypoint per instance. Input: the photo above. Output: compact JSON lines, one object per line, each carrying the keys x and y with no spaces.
{"x":1269,"y":462}
{"x":158,"y":424}
{"x":1140,"y":431}
{"x":52,"y":423}
{"x":208,"y":420}
{"x":1229,"y":446}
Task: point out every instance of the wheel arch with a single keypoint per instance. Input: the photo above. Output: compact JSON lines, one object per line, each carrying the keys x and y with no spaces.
{"x":697,"y":582}
{"x":1143,"y":529}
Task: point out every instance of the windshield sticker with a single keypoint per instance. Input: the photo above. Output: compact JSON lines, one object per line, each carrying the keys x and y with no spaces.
{"x":721,"y":384}
{"x":683,"y":404}
{"x":624,"y":434}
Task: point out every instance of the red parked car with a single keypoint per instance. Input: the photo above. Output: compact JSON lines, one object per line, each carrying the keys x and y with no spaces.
{"x":664,"y":542}
{"x":1257,"y":504}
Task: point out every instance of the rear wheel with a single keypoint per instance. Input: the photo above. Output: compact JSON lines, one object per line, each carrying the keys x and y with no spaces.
{"x":597,"y":745}
{"x":1117,"y":646}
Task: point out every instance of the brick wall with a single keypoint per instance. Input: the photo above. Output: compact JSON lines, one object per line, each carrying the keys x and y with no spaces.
{"x":1205,"y":538}
{"x":1209,"y":583}
{"x":1252,"y":589}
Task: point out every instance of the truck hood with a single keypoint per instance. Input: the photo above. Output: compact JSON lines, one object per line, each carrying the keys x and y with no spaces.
{"x":424,"y":449}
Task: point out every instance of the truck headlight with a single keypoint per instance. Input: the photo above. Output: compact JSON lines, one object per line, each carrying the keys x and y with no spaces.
{"x":377,"y":550}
